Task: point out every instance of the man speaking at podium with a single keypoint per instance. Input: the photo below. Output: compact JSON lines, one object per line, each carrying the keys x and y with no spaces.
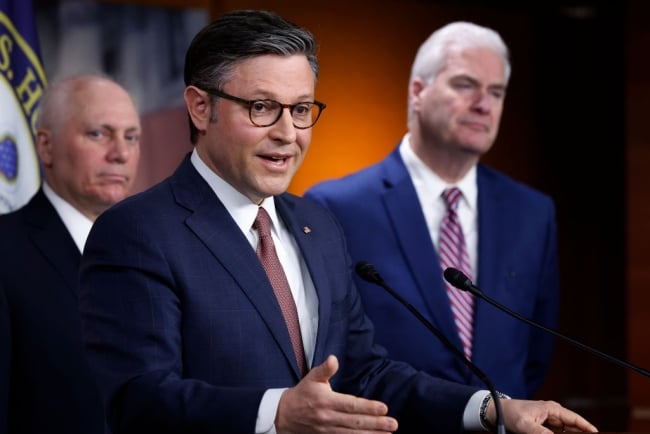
{"x":215,"y":302}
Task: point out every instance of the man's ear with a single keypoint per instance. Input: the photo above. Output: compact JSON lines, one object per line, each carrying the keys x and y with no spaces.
{"x":415,"y":88}
{"x":44,"y":146}
{"x":198,"y":106}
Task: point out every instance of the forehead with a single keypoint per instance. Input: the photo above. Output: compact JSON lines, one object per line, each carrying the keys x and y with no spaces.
{"x":273,"y":75}
{"x":481,"y":64}
{"x":106,"y":103}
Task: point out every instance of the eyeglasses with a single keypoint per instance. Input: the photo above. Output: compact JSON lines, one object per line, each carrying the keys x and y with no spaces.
{"x":266,"y":112}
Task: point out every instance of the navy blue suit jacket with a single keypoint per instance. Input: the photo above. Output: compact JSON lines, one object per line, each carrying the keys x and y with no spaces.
{"x":517,"y":265}
{"x":185,"y":334}
{"x":45,"y":383}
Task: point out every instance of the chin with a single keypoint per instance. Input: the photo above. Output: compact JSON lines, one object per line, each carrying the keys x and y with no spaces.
{"x":276,"y":186}
{"x":111,"y":198}
{"x":479,"y":147}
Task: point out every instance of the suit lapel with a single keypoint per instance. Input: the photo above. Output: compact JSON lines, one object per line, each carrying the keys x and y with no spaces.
{"x":52,"y":239}
{"x":491,"y":231}
{"x":492,"y":243}
{"x":297,"y":223}
{"x":416,"y":246}
{"x":212,"y":223}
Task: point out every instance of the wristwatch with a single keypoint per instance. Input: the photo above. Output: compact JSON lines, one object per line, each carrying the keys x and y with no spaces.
{"x":484,"y":405}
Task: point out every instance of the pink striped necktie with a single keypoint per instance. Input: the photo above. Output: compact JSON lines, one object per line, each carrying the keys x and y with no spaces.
{"x":453,"y":253}
{"x":269,"y":258}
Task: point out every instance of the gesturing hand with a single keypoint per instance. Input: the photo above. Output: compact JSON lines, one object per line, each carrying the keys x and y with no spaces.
{"x":312,"y":407}
{"x":536,"y":417}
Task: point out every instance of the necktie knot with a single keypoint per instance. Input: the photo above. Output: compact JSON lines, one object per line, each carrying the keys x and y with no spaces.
{"x":262,"y":223}
{"x":451,"y":197}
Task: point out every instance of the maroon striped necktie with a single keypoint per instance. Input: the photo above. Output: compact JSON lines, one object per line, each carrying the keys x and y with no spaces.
{"x":269,"y":258}
{"x":453,"y":253}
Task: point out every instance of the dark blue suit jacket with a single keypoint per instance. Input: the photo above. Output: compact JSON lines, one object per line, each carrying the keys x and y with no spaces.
{"x":45,"y":383}
{"x":185,"y":334}
{"x":517,"y":266}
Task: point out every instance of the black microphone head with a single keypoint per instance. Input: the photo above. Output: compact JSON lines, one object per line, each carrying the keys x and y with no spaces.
{"x":458,"y":279}
{"x":368,"y":272}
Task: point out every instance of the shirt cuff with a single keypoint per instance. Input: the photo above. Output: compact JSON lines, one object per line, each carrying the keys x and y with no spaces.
{"x":265,"y":423}
{"x":472,"y":414}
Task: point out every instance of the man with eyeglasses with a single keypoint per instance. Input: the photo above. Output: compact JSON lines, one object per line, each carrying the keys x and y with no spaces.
{"x":216,"y":302}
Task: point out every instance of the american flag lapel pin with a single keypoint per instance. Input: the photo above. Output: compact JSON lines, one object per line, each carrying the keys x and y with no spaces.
{"x":306,"y":229}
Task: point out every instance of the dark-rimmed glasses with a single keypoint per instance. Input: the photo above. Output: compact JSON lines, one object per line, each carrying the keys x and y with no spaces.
{"x":266,"y":112}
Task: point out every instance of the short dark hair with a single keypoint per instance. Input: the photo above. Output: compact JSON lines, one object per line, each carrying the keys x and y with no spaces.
{"x":237,"y":36}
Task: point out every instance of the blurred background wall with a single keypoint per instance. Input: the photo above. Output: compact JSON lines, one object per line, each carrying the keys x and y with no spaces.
{"x":574,"y":127}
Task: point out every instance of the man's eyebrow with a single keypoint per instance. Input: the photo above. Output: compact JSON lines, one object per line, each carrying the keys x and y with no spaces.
{"x":113,"y":129}
{"x":498,"y":86}
{"x":465,"y":77}
{"x":494,"y":86}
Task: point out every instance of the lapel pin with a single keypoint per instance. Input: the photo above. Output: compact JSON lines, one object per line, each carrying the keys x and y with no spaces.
{"x":306,"y":229}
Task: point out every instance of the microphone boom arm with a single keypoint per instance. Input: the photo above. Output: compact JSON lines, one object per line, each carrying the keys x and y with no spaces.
{"x":462,"y":282}
{"x":368,"y":273}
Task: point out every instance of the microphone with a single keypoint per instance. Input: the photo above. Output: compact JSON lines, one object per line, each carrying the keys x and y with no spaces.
{"x":370,"y":274}
{"x":462,"y":282}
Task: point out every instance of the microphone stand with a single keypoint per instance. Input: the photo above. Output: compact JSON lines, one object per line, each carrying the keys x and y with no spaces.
{"x":368,"y":273}
{"x":462,"y":282}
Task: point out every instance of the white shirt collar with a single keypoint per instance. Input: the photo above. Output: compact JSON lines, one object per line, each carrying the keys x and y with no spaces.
{"x":78,"y":225}
{"x":425,"y":180}
{"x":242,"y":210}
